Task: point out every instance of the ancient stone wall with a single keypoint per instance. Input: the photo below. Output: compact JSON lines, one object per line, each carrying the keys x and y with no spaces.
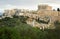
{"x":47,"y":13}
{"x":44,"y":7}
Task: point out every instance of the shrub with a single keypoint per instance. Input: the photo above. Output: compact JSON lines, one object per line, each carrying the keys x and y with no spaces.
{"x":22,"y":30}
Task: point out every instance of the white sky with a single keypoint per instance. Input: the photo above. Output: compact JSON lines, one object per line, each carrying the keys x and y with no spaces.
{"x":27,"y":4}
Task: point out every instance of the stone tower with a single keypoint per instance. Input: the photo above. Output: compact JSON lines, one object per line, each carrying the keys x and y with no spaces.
{"x":44,"y":7}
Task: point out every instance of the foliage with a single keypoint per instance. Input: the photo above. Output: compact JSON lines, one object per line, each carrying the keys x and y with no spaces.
{"x":14,"y":28}
{"x":57,"y":24}
{"x":58,"y":9}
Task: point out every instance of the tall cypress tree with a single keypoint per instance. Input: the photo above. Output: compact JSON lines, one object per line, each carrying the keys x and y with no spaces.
{"x":58,"y":9}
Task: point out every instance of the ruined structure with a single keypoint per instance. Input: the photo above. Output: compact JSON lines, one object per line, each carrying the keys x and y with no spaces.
{"x":44,"y":7}
{"x":43,"y":18}
{"x":43,"y":12}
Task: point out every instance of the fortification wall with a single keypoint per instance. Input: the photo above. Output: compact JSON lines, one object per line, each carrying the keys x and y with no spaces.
{"x":47,"y":13}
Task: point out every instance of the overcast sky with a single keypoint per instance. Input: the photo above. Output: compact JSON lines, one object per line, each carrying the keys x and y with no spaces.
{"x":27,"y":4}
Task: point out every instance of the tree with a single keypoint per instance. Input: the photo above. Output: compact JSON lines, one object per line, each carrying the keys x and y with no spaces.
{"x":58,"y":9}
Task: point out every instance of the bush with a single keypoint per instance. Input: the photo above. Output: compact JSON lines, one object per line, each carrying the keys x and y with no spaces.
{"x":9,"y":33}
{"x":22,"y":30}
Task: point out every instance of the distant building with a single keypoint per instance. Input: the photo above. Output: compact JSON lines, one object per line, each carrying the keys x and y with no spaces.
{"x":44,"y":7}
{"x":9,"y":13}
